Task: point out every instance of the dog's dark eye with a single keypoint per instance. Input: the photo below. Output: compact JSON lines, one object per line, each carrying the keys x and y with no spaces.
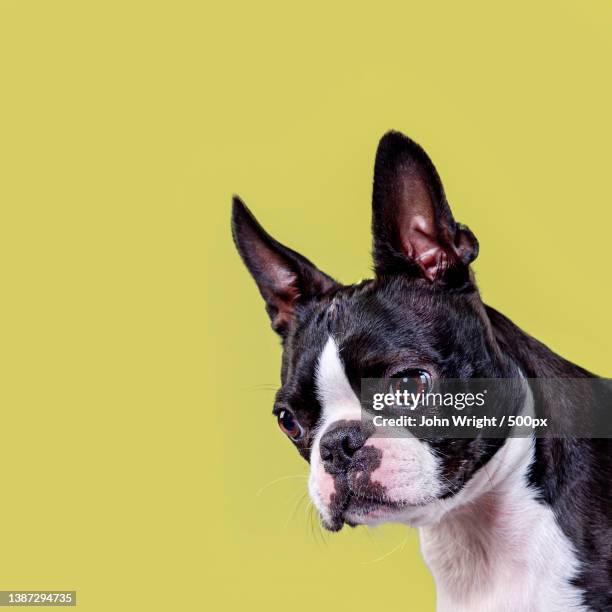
{"x":288,"y":423}
{"x":412,"y":381}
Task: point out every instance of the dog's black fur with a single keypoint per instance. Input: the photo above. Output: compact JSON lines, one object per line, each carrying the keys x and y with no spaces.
{"x":423,"y":311}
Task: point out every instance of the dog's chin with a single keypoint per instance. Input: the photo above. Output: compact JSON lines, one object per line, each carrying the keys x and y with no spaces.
{"x":367,"y":512}
{"x":370,"y":512}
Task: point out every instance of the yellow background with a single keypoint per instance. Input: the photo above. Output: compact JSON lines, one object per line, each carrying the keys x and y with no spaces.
{"x":137,"y":366}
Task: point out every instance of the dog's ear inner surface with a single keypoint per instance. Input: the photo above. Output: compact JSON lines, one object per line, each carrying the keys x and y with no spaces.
{"x":284,"y":277}
{"x":413,"y":228}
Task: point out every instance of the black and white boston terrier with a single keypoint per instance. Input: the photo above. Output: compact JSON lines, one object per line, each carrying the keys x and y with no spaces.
{"x":514,"y":524}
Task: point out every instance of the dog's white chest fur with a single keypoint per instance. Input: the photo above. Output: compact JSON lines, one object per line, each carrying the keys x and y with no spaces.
{"x":502,"y":551}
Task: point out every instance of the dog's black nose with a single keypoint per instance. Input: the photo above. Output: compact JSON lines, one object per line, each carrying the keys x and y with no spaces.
{"x":339,"y":444}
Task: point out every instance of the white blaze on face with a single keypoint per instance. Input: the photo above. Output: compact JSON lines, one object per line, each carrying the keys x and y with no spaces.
{"x":333,"y":388}
{"x":339,"y":403}
{"x":409,"y":471}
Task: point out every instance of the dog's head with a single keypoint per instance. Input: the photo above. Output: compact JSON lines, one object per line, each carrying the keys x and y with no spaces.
{"x":421,"y":318}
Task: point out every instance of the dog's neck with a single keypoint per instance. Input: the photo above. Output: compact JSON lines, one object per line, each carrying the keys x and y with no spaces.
{"x":499,"y":547}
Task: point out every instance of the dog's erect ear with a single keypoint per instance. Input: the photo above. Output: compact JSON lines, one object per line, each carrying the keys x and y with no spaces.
{"x":283,"y":276}
{"x":413,"y":229}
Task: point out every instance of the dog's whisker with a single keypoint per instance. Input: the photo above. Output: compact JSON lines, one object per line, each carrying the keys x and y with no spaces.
{"x":296,"y":507}
{"x":261,"y":387}
{"x":398,"y":547}
{"x":281,"y":479}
